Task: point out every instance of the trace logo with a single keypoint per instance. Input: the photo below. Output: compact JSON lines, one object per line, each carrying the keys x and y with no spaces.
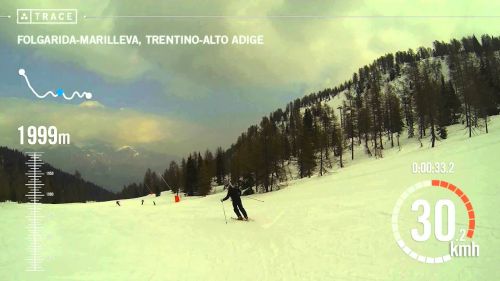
{"x":47,"y":16}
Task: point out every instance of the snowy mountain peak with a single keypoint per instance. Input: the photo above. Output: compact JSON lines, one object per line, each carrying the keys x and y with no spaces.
{"x":128,"y":149}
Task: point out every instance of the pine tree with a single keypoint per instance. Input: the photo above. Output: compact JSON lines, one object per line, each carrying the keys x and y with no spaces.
{"x":460,"y":70}
{"x":375,"y":103}
{"x":306,"y":158}
{"x":418,"y":95}
{"x":148,"y":183}
{"x":324,"y":135}
{"x":205,"y":180}
{"x":364,"y":127}
{"x":350,"y":120}
{"x":445,"y":117}
{"x":430,"y":91}
{"x":172,"y":176}
{"x":220,"y":165}
{"x":337,"y":139}
{"x":191,"y":175}
{"x":393,"y":119}
{"x":407,"y":101}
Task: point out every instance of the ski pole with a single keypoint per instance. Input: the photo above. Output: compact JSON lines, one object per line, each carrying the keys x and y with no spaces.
{"x":165,"y":182}
{"x":224,"y":210}
{"x":255,"y":199}
{"x":148,"y":188}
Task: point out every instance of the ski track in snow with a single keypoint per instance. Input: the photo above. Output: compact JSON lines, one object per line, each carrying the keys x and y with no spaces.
{"x":270,"y":224}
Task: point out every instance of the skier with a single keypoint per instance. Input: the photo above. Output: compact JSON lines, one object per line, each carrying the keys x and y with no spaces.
{"x":118,"y":203}
{"x":235,"y":193}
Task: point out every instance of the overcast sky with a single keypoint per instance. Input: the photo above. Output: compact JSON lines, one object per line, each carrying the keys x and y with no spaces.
{"x":176,"y":99}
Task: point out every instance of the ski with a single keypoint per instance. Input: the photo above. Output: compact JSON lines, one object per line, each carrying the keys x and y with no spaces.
{"x":236,"y":219}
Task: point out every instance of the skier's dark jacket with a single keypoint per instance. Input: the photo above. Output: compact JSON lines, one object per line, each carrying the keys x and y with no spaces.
{"x":233,"y":192}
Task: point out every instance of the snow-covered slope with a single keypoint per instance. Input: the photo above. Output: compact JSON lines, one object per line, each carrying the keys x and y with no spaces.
{"x":336,"y":227}
{"x":399,"y":83}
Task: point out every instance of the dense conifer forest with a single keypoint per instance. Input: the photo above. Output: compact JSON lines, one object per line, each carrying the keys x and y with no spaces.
{"x":419,"y":92}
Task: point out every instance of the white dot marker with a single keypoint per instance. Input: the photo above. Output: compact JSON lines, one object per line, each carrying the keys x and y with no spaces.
{"x":21,"y":71}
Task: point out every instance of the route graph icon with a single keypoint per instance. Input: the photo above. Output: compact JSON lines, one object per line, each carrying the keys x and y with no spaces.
{"x":57,"y":93}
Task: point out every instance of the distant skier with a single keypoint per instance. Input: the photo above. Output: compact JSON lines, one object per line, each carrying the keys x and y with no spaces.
{"x":118,"y":203}
{"x":142,"y":203}
{"x":235,"y":194}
